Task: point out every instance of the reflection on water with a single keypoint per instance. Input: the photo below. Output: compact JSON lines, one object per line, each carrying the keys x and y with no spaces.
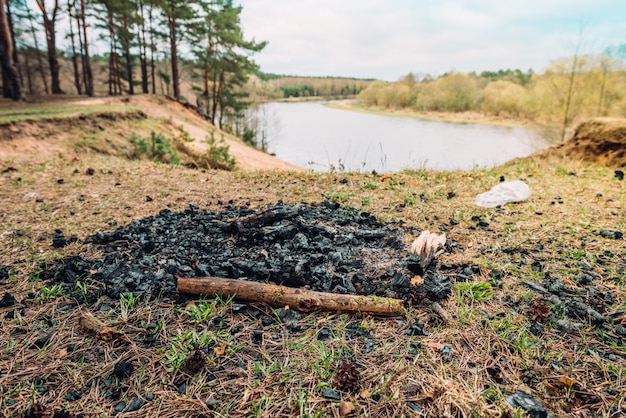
{"x":312,"y":135}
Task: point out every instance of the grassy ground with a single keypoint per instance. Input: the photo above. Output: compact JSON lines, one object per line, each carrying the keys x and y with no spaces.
{"x":13,"y":112}
{"x":286,"y":372}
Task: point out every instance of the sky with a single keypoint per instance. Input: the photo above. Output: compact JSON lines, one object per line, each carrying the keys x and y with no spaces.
{"x":386,"y":39}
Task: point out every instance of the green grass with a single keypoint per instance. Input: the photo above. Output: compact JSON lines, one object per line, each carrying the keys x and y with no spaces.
{"x":36,"y":113}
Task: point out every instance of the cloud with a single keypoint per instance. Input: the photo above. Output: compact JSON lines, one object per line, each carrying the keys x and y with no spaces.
{"x":386,"y":39}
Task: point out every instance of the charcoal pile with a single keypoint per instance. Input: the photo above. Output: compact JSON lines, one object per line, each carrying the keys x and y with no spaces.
{"x":323,"y":247}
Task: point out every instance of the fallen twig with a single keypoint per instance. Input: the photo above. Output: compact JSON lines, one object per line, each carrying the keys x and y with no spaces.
{"x":301,"y":299}
{"x":436,"y":307}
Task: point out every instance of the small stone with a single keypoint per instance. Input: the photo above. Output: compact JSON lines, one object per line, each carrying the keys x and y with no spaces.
{"x":416,"y":329}
{"x":521,"y":399}
{"x":135,"y":404}
{"x":446,"y":353}
{"x":437,"y":285}
{"x":266,"y":321}
{"x":123,"y":369}
{"x":219,"y":322}
{"x":611,"y":233}
{"x":414,"y":347}
{"x":294,"y":327}
{"x":73,"y":396}
{"x":565,"y":325}
{"x":41,"y":342}
{"x":324,"y":334}
{"x":620,"y":330}
{"x":329,"y":393}
{"x":120,"y":406}
{"x":288,"y":315}
{"x":149,"y":397}
{"x":239,"y":308}
{"x":7,"y":300}
{"x":536,"y":328}
{"x":257,"y":337}
{"x":414,"y":407}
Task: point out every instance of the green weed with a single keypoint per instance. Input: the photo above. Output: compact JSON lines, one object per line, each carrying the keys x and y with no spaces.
{"x":474,"y":292}
{"x":218,"y":155}
{"x":205,"y":309}
{"x":49,"y":293}
{"x":157,"y":148}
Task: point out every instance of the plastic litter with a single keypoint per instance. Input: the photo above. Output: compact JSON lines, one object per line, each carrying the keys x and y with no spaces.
{"x":507,"y":192}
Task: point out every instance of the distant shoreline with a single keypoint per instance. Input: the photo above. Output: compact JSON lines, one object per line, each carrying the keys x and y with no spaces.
{"x":455,"y":117}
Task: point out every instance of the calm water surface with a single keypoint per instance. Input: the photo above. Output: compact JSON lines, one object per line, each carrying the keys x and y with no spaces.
{"x":315,"y":136}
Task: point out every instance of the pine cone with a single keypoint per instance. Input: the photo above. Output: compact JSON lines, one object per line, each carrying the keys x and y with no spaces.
{"x":347,"y":376}
{"x":195,"y":361}
{"x":539,"y":311}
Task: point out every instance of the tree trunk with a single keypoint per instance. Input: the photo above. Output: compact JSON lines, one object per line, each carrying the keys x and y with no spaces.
{"x":128,"y":60}
{"x":218,"y":97}
{"x":206,"y":77}
{"x":81,"y":48}
{"x":29,"y":77}
{"x":11,"y":81}
{"x":49,"y":22}
{"x":88,"y":75}
{"x":16,"y":60}
{"x":300,"y":299}
{"x":214,"y":97}
{"x":143,"y":61}
{"x":129,"y":71}
{"x":174,"y":57}
{"x":44,"y":79}
{"x":77,"y":83}
{"x":152,"y":50}
{"x":118,"y":73}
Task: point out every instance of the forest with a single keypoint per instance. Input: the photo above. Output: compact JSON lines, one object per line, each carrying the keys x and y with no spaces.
{"x":148,"y":43}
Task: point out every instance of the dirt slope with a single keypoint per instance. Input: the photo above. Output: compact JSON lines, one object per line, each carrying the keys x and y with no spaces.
{"x":600,"y":140}
{"x":40,"y":139}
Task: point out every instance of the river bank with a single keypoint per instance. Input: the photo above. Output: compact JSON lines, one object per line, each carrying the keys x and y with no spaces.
{"x":463,"y":117}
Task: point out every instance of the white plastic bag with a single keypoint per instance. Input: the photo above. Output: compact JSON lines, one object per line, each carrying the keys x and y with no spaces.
{"x":500,"y":194}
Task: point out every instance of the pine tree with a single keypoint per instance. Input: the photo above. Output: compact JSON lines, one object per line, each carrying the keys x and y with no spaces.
{"x":12,"y":82}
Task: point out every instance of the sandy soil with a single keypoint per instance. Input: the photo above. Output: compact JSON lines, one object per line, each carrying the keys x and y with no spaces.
{"x":39,"y":140}
{"x":600,"y":140}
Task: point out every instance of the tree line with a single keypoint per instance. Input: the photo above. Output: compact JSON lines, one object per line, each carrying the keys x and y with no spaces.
{"x":569,"y":90}
{"x":202,"y":37}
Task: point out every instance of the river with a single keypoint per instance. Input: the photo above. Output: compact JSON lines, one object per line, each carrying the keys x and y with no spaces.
{"x":322,"y":138}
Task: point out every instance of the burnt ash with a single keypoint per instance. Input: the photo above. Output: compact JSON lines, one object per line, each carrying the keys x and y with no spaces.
{"x":324,"y":246}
